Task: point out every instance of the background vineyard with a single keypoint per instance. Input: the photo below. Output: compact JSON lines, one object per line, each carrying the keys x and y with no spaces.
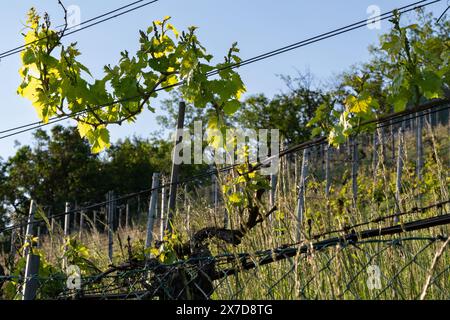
{"x":337,"y":272}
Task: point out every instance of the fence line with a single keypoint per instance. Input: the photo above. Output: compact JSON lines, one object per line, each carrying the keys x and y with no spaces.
{"x":311,"y":172}
{"x":431,"y":107}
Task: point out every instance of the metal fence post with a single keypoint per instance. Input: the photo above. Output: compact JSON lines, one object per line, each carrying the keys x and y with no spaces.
{"x":67,"y":220}
{"x":51,"y":219}
{"x":187,"y":209}
{"x":163,"y":216}
{"x":392,"y":133}
{"x":38,"y":235}
{"x":382,"y":142}
{"x":152,"y":210}
{"x":81,"y":225}
{"x":127,"y":214}
{"x":119,"y":222}
{"x":419,"y":147}
{"x":110,"y":218}
{"x":375,"y":155}
{"x":66,"y":231}
{"x":273,"y":190}
{"x":398,"y":184}
{"x":94,"y":220}
{"x":31,"y":282}
{"x":355,"y":165}
{"x":301,"y":194}
{"x":30,"y":231}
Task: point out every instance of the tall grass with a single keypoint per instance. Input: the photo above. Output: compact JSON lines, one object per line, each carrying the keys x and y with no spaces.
{"x":334,"y":273}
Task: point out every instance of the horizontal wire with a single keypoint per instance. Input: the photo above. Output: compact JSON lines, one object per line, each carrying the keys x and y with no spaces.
{"x":23,"y":47}
{"x":296,"y":45}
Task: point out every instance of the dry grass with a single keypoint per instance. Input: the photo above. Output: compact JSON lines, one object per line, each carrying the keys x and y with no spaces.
{"x":335,"y":273}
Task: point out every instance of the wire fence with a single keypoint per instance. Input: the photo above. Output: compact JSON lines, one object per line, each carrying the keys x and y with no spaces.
{"x":344,"y":190}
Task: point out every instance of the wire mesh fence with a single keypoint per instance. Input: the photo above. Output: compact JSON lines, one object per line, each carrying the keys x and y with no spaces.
{"x":321,"y":254}
{"x":353,"y":270}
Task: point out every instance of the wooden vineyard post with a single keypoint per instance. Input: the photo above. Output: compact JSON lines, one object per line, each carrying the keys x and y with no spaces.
{"x":66,"y":230}
{"x":175,"y":168}
{"x":419,"y":147}
{"x":375,"y":156}
{"x":282,"y":172}
{"x":328,"y":180}
{"x":127,"y":215}
{"x":94,"y":220}
{"x":81,"y":225}
{"x":152,"y":210}
{"x":327,"y":172}
{"x":110,"y":222}
{"x":355,"y":165}
{"x":301,"y":193}
{"x":164,"y":203}
{"x":31,"y":230}
{"x":119,"y":220}
{"x":273,"y":190}
{"x":398,"y":181}
{"x":288,"y":172}
{"x":31,"y":282}
{"x":75,"y":217}
{"x":67,"y":220}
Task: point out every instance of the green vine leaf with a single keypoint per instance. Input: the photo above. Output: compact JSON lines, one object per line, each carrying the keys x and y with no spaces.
{"x":54,"y":80}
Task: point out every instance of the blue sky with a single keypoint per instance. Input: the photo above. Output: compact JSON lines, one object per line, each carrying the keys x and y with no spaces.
{"x":257,"y":25}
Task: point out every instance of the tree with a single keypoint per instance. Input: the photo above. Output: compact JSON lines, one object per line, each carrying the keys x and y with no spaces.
{"x":131,"y":163}
{"x":409,"y":66}
{"x":59,"y":168}
{"x":289,"y":112}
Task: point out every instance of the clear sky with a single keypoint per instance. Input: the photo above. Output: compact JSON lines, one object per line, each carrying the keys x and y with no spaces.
{"x":257,"y":25}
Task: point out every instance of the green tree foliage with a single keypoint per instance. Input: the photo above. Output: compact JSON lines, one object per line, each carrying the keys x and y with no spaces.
{"x":131,"y":163}
{"x":60,"y":167}
{"x":290,"y":111}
